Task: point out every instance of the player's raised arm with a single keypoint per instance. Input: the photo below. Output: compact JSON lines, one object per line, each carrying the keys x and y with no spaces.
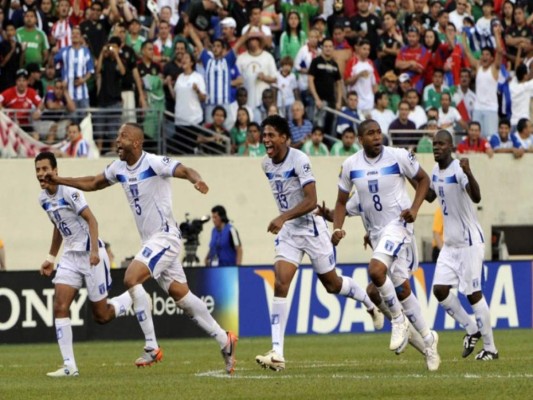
{"x":192,"y":176}
{"x":472,"y":187}
{"x":85,"y":183}
{"x":422,"y":186}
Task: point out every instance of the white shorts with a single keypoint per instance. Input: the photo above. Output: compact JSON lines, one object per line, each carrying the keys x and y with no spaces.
{"x":161,"y":255}
{"x":460,"y":267}
{"x":397,"y":249}
{"x":74,"y":267}
{"x":292,"y":248}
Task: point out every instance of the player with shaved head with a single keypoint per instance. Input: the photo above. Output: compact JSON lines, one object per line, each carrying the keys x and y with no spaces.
{"x":145,"y":180}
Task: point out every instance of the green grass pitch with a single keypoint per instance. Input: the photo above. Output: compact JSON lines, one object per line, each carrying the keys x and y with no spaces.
{"x":318,"y":367}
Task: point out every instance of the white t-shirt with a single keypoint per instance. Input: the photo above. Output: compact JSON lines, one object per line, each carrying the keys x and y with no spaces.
{"x":265,"y":30}
{"x":418,"y":116}
{"x":250,"y":66}
{"x":286,"y":86}
{"x":383,"y":118}
{"x":451,"y":117}
{"x":364,"y":86}
{"x":188,"y":109}
{"x":521,"y":94}
{"x":303,"y":60}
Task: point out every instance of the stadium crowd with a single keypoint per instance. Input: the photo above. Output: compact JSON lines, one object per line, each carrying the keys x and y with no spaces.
{"x":326,"y":65}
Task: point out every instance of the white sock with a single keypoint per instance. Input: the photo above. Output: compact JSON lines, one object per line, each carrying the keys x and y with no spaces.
{"x":198,"y":312}
{"x":385,"y":310}
{"x":141,"y":306}
{"x":415,"y":339}
{"x":121,"y":303}
{"x":411,"y":306}
{"x":278,"y":323}
{"x":388,"y":294}
{"x":482,"y":313}
{"x":64,"y":339}
{"x":352,"y":290}
{"x":453,"y":307}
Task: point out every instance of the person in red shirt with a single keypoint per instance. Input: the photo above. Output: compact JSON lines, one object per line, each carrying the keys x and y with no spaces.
{"x":413,"y":59}
{"x":474,"y":142}
{"x":21,"y":97}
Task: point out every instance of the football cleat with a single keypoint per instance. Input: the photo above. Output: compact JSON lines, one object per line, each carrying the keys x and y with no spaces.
{"x":228,"y":353}
{"x":271,"y":360}
{"x":377,"y":318}
{"x":149,"y":357}
{"x":431,"y":353}
{"x":64,"y":372}
{"x":485,"y":355}
{"x":399,"y":336}
{"x":469,"y":343}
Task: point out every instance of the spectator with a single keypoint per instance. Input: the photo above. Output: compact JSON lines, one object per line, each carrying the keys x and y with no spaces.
{"x":523,"y":135}
{"x":61,"y":32}
{"x":96,"y":28}
{"x":347,"y":145}
{"x":225,"y":247}
{"x":239,"y":132}
{"x":242,"y":99}
{"x":217,"y":141}
{"x":171,"y":71}
{"x":200,"y":12}
{"x":521,"y":89}
{"x":518,"y":35}
{"x":390,"y":43}
{"x":18,"y":15}
{"x":413,"y":59}
{"x":190,"y":85}
{"x":390,"y":88}
{"x":458,"y":15}
{"x":255,"y":27}
{"x":319,"y":24}
{"x":58,"y":105}
{"x":76,"y":145}
{"x":287,"y":87}
{"x":338,"y":18}
{"x":433,"y":92}
{"x":463,"y":97}
{"x":163,"y":48}
{"x":362,"y":76}
{"x":451,"y":57}
{"x":300,"y":127}
{"x":34,"y":79}
{"x":228,"y":26}
{"x":502,"y":142}
{"x":293,"y":38}
{"x":325,"y":85}
{"x":351,"y":109}
{"x":507,"y":18}
{"x":443,"y":18}
{"x":48,"y":15}
{"x":449,"y":117}
{"x":257,"y":67}
{"x":437,"y":231}
{"x":267,"y":100}
{"x":419,"y":14}
{"x":406,"y":138}
{"x":33,"y":40}
{"x":367,"y":25}
{"x":110,"y":70}
{"x":49,"y":78}
{"x":339,"y":39}
{"x":253,"y":146}
{"x":474,"y":142}
{"x":11,"y":57}
{"x":306,"y":11}
{"x":425,"y":144}
{"x":77,"y":67}
{"x":22,"y":99}
{"x":2,"y":256}
{"x":416,"y":113}
{"x":381,"y":114}
{"x":315,"y":146}
{"x":134,"y":39}
{"x":305,"y":55}
{"x":273,"y":110}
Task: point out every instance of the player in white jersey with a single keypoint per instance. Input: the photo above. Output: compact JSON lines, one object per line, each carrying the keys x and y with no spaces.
{"x":299,"y":231}
{"x":145,"y":180}
{"x":460,"y":261}
{"x":379,"y":174}
{"x":84,"y":259}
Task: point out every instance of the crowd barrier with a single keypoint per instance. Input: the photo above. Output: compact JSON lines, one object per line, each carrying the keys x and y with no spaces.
{"x":240,"y":300}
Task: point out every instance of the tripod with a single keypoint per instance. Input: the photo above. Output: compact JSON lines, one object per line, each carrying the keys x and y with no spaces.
{"x":191,"y":259}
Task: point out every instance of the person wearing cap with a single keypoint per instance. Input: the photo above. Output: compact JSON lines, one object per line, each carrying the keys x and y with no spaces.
{"x":257,"y":67}
{"x":33,"y":40}
{"x":413,"y":59}
{"x":389,"y":85}
{"x":24,"y":100}
{"x":229,"y":26}
{"x":405,"y":83}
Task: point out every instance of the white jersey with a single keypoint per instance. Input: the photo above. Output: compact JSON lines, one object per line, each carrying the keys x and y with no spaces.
{"x":148,"y":191}
{"x":64,"y":209}
{"x":380,"y":184}
{"x":461,"y":227}
{"x":287,"y":180}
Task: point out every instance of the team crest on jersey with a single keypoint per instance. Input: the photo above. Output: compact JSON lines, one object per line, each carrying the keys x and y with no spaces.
{"x":307,"y":168}
{"x":412,"y":156}
{"x":101,"y":288}
{"x":373,"y":186}
{"x":147,"y":252}
{"x":389,"y":245}
{"x":75,"y":196}
{"x":165,"y":160}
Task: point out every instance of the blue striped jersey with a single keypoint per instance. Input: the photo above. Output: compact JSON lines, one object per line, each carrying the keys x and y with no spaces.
{"x":76,"y":63}
{"x":218,"y":76}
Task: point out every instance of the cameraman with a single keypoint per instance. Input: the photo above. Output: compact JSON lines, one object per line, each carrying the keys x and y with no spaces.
{"x":225,"y":248}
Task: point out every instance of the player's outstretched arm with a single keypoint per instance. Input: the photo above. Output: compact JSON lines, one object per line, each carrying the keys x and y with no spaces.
{"x":472,"y":187}
{"x":192,"y":176}
{"x":339,"y":214}
{"x":85,"y":183}
{"x":422,"y":186}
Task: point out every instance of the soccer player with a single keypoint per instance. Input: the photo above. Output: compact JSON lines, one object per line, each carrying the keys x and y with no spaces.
{"x":379,"y":175}
{"x":84,"y":259}
{"x":145,"y":180}
{"x":460,"y":262}
{"x":298,"y":231}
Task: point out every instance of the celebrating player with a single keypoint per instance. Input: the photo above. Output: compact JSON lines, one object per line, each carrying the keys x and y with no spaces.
{"x":299,"y":231}
{"x":84,"y":259}
{"x":460,"y":261}
{"x":145,"y":180}
{"x":379,"y":173}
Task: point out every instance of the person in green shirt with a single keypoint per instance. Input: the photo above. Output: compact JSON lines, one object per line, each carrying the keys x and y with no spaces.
{"x":134,"y":38}
{"x":33,"y":40}
{"x":307,"y":11}
{"x":293,"y":38}
{"x":252,"y":147}
{"x":315,"y":145}
{"x":433,"y":92}
{"x":239,"y":132}
{"x":347,"y":145}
